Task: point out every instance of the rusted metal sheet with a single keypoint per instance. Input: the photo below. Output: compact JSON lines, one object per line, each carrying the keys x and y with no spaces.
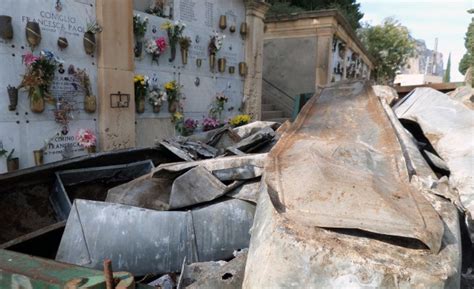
{"x":286,"y":253}
{"x":340,"y":166}
{"x":28,"y":272}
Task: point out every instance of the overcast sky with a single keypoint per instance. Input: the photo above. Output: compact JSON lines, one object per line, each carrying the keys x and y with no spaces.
{"x":427,"y":19}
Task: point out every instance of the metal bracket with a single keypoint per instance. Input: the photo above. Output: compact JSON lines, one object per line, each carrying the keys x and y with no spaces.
{"x":119,"y":100}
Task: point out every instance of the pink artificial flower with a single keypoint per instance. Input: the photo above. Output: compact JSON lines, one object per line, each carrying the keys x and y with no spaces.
{"x":29,"y":58}
{"x":86,"y":138}
{"x":161,"y":43}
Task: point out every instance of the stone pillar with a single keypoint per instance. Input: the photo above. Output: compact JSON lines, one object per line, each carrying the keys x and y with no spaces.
{"x":324,"y":56}
{"x":255,"y":15}
{"x":115,"y":73}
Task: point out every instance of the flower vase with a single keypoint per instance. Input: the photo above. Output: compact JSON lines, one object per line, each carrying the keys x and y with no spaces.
{"x":90,"y":103}
{"x":13,"y":96}
{"x":33,"y":34}
{"x":91,"y":150}
{"x":138,"y":48}
{"x":140,"y":103}
{"x":172,"y":106}
{"x":156,"y":108}
{"x":155,"y":58}
{"x":184,"y":56}
{"x":13,"y":164}
{"x":36,"y":100}
{"x":39,"y":157}
{"x":6,"y":28}
{"x":221,"y":64}
{"x":173,"y":51}
{"x":89,"y":42}
{"x":212,"y":62}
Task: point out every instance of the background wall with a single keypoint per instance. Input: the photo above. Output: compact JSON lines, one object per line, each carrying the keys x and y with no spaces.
{"x":201,"y":18}
{"x":21,"y":129}
{"x":26,"y":131}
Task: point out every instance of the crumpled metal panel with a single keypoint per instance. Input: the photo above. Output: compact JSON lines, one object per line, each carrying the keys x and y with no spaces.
{"x":195,"y":186}
{"x":254,"y":141}
{"x":245,"y":172}
{"x":189,"y":150}
{"x":60,"y":199}
{"x":154,"y":190}
{"x":340,"y":165}
{"x":449,"y":125}
{"x":144,"y":241}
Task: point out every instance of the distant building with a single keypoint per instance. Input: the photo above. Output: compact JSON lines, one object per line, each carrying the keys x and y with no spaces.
{"x":426,"y":66}
{"x":425,"y":61}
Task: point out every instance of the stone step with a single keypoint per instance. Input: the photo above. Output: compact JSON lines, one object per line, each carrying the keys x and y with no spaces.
{"x":267,"y":106}
{"x":279,"y":120}
{"x":272,"y":114}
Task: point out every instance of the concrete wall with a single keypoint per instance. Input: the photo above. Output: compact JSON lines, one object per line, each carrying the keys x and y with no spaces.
{"x":289,"y":64}
{"x":416,"y":79}
{"x":307,"y":50}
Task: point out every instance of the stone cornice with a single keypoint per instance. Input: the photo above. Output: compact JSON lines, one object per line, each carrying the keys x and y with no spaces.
{"x":256,"y":8}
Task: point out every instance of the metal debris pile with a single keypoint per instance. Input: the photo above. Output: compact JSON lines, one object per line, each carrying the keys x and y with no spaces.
{"x":362,"y":190}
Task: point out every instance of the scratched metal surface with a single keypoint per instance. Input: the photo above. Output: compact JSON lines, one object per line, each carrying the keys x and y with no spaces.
{"x":285,"y":253}
{"x":341,"y":166}
{"x":142,"y":241}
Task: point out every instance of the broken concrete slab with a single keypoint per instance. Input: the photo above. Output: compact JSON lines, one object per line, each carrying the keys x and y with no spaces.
{"x":449,"y":126}
{"x":254,"y":127}
{"x":360,"y":180}
{"x":464,"y":94}
{"x":214,"y":275}
{"x":389,"y":94}
{"x":144,"y":241}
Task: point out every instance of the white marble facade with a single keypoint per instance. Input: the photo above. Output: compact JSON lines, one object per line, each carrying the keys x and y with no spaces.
{"x":21,"y":129}
{"x":26,"y":131}
{"x":202,"y":19}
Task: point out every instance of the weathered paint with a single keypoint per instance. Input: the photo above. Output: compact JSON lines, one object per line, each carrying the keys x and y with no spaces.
{"x":28,"y":272}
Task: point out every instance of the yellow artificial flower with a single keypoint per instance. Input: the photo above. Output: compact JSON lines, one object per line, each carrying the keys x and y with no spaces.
{"x":178,"y":115}
{"x":240,"y":119}
{"x":166,"y":26}
{"x":170,"y":85}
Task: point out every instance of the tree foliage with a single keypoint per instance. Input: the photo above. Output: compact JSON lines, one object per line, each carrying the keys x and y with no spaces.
{"x":349,"y":8}
{"x":390,"y":45}
{"x":468,"y":58}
